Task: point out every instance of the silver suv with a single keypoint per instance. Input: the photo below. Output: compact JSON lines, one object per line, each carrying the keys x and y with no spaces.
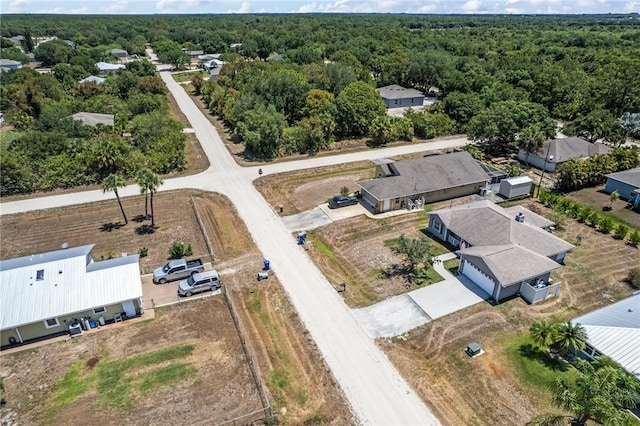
{"x":197,"y":283}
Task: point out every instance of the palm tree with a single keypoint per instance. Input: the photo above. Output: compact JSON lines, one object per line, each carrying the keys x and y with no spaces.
{"x":144,"y":178}
{"x":531,"y":140}
{"x":543,"y":333}
{"x":601,"y":394}
{"x":571,"y":338}
{"x":153,"y":184}
{"x":111,"y":183}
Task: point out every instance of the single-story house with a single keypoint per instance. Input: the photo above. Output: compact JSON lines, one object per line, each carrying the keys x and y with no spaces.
{"x":43,"y":294}
{"x":211,"y":64}
{"x":194,"y":54}
{"x":94,"y":119}
{"x":70,"y":43}
{"x":505,"y":252}
{"x":414,"y":183}
{"x":627,"y":183}
{"x":275,"y":58}
{"x":209,"y":56}
{"x":614,"y":331}
{"x":561,"y":150}
{"x":8,"y":64}
{"x":395,"y":96}
{"x":106,"y":68}
{"x":121,"y":54}
{"x":17,"y":40}
{"x":92,"y":79}
{"x":214,"y":73}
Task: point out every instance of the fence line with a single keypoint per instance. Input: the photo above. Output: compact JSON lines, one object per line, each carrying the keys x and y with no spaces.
{"x":202,"y":228}
{"x":253,"y":366}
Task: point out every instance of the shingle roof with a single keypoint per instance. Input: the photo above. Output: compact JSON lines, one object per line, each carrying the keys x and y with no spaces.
{"x":485,"y":224}
{"x":565,"y":149}
{"x":509,"y":263}
{"x":70,"y":282}
{"x":398,"y":92}
{"x":615,"y":331}
{"x":93,"y":119}
{"x":427,"y":174}
{"x":529,"y":216}
{"x":630,"y":177}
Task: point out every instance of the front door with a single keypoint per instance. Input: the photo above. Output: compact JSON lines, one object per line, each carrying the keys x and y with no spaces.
{"x":128,"y":308}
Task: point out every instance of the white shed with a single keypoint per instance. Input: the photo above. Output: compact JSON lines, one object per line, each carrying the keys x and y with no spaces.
{"x":515,"y":187}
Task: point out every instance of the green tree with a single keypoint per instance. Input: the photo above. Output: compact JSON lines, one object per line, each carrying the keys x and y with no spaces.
{"x":571,"y":338}
{"x":613,"y":197}
{"x":144,"y":179}
{"x":417,"y":253}
{"x":601,"y":394}
{"x":621,"y":231}
{"x":261,"y":130}
{"x":634,"y":238}
{"x":152,"y":182}
{"x":111,"y":183}
{"x":363,"y":104}
{"x":543,"y":333}
{"x":53,"y":52}
{"x":633,"y":277}
{"x":531,"y":139}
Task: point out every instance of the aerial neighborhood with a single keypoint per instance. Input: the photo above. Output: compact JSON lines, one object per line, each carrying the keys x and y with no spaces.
{"x":320,"y":218}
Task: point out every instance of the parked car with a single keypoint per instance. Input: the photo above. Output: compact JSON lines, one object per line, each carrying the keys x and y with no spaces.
{"x":342,"y":201}
{"x":197,"y":283}
{"x":177,"y":269}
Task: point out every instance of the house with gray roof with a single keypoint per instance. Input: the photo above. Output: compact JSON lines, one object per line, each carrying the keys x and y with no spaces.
{"x":504,"y":252}
{"x":93,"y":119}
{"x":614,"y":331}
{"x":414,"y":183}
{"x":44,"y":294}
{"x":106,"y":67}
{"x":561,"y":150}
{"x":627,"y":183}
{"x":121,"y":54}
{"x":395,"y":96}
{"x":92,"y":79}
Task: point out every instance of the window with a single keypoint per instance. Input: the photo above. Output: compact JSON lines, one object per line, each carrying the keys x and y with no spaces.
{"x":51,"y":322}
{"x":40,"y":275}
{"x":437,"y":226}
{"x":99,"y":310}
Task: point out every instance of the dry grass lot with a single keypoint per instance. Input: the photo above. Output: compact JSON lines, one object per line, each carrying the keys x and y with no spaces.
{"x":502,"y":387}
{"x":208,"y":383}
{"x":600,"y":201}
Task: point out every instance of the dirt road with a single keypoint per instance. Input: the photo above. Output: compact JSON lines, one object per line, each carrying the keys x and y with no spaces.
{"x":377,"y":392}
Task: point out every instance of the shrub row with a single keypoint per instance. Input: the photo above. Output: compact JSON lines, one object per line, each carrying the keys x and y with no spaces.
{"x":589,"y":216}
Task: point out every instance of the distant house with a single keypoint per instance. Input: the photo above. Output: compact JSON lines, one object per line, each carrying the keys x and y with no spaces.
{"x":209,"y":56}
{"x":194,"y":54}
{"x":561,"y":150}
{"x":70,"y":43}
{"x":92,"y":79}
{"x":8,"y":65}
{"x":17,"y":40}
{"x":413,"y":183}
{"x":614,"y":331}
{"x":505,"y":252}
{"x":235,"y":45}
{"x":275,"y":58}
{"x":43,"y":294}
{"x":121,"y":54}
{"x":106,"y":68}
{"x":93,"y":119}
{"x":211,"y":64}
{"x":395,"y":96}
{"x":214,"y":73}
{"x":627,"y":183}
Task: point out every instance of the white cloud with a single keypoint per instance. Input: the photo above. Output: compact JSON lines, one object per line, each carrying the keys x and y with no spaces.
{"x":471,"y":6}
{"x":245,"y":7}
{"x":115,"y":7}
{"x":18,"y":6}
{"x":80,"y":11}
{"x":172,"y":6}
{"x":632,"y":6}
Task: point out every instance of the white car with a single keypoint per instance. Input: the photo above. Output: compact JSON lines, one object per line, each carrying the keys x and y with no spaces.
{"x":197,"y":283}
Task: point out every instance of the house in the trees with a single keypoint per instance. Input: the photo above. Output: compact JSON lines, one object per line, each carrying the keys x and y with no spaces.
{"x":106,"y":68}
{"x":395,"y":96}
{"x":554,"y":152}
{"x":121,"y":54}
{"x":627,"y":183}
{"x":92,"y":79}
{"x":8,"y":65}
{"x":47,"y":294}
{"x":93,"y":119}
{"x":414,"y":183}
{"x":505,"y":252}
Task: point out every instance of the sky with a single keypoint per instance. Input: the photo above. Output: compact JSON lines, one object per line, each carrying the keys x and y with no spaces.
{"x":320,"y":6}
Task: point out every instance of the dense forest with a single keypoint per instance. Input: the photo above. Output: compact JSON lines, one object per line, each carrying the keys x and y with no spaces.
{"x":302,"y":83}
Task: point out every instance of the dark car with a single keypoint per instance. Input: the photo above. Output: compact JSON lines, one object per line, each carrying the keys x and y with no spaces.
{"x":341,"y":201}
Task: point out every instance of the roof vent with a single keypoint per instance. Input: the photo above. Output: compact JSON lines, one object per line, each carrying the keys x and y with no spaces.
{"x":520,"y":217}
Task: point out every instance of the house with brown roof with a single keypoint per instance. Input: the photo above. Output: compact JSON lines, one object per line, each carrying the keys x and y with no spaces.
{"x":414,"y":183}
{"x":561,"y":150}
{"x":505,"y":252}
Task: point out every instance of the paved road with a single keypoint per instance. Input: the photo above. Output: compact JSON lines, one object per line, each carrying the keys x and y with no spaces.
{"x":375,"y":389}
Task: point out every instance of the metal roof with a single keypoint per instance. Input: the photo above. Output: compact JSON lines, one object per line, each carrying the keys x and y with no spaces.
{"x":92,"y":78}
{"x":69,"y":282}
{"x":614,"y":330}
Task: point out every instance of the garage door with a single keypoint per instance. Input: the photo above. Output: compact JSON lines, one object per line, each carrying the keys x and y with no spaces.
{"x":478,"y":278}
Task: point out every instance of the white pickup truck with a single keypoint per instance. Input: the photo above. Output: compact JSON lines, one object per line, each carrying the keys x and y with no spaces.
{"x":177,"y":269}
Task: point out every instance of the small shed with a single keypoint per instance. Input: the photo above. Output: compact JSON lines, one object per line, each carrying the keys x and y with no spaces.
{"x":515,"y":187}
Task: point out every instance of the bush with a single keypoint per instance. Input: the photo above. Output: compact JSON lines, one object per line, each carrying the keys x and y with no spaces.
{"x":344,"y":191}
{"x":143,"y":252}
{"x":179,"y":249}
{"x":605,"y":225}
{"x":633,"y":277}
{"x":621,"y":231}
{"x":634,"y":239}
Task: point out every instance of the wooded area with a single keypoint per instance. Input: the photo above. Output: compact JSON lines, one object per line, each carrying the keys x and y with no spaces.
{"x":301,"y":83}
